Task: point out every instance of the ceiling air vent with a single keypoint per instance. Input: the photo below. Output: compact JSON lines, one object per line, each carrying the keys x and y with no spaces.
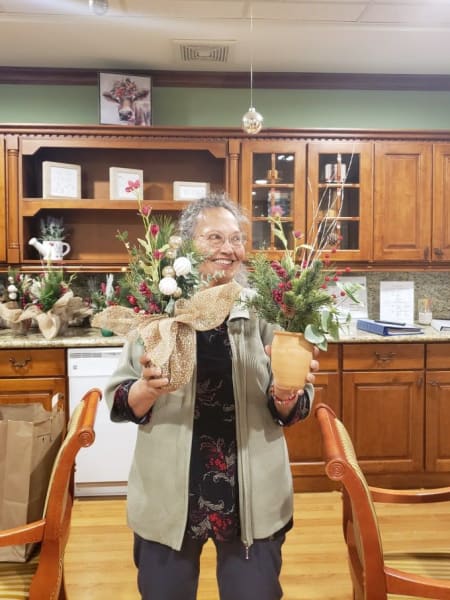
{"x":204,"y":50}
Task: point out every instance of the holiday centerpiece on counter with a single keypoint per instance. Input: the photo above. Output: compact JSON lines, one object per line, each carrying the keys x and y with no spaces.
{"x":46,"y":298}
{"x":292,"y":293}
{"x":15,"y":297}
{"x":161,"y":298}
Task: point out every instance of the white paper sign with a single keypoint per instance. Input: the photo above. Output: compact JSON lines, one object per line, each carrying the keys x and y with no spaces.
{"x":397,"y":301}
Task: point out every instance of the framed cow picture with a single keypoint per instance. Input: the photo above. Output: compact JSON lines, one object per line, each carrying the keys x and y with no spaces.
{"x":125,"y":99}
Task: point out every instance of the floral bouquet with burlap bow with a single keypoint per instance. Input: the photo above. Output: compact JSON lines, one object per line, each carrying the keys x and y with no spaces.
{"x":162,"y":300}
{"x":46,"y":298}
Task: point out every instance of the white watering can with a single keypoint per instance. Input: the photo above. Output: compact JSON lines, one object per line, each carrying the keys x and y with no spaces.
{"x":50,"y":249}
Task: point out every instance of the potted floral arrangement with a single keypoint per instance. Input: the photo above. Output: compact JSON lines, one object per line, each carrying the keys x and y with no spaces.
{"x":50,"y":244}
{"x":292,"y":293}
{"x":15,"y":297}
{"x":52,"y":303}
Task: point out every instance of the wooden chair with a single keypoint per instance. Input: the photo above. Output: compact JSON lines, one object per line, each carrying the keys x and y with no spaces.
{"x":374,"y":574}
{"x":42,"y":578}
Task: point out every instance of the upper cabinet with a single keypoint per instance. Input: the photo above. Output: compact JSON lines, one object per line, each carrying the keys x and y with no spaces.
{"x":339,"y":191}
{"x":273,"y":178}
{"x":440,"y":249}
{"x":402,"y":201}
{"x":384,"y":196}
{"x":93,"y":219}
{"x":322,"y":189}
{"x":2,"y":202}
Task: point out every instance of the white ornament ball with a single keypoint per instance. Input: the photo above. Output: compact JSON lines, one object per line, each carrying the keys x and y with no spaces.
{"x":182,"y":266}
{"x":12,"y":295}
{"x":167,"y":286}
{"x":12,"y":288}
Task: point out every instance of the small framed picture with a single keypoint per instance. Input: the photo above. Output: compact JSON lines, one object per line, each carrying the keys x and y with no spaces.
{"x":61,"y":180}
{"x":126,"y":184}
{"x":189,"y":190}
{"x":125,"y":99}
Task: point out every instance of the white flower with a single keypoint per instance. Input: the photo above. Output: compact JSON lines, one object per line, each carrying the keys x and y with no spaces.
{"x":182,"y":266}
{"x":167,"y":286}
{"x":35,"y":289}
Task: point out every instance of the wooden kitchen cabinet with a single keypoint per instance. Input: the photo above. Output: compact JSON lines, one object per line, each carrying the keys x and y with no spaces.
{"x":383,"y":405}
{"x":303,"y":438}
{"x":440,"y":246}
{"x":339,"y":197}
{"x":32,"y":375}
{"x":402,"y":201}
{"x":437,"y":408}
{"x":273,"y":174}
{"x":2,"y":202}
{"x":93,"y":220}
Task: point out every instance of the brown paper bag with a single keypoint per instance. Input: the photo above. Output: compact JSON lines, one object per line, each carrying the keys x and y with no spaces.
{"x":30,"y":437}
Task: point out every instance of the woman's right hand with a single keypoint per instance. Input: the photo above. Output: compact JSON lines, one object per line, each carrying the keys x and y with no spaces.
{"x":145,"y":391}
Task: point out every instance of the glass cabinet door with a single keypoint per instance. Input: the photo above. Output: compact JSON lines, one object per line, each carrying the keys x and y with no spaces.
{"x":273,"y":176}
{"x":339,"y":211}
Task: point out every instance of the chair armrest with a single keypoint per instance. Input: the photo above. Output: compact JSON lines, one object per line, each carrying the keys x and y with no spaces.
{"x":410,"y":496}
{"x":24,"y":534}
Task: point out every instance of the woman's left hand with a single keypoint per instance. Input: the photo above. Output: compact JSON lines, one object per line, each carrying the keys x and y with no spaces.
{"x":283,"y":395}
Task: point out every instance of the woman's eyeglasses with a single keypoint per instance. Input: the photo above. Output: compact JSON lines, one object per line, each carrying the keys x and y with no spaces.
{"x":217,"y":240}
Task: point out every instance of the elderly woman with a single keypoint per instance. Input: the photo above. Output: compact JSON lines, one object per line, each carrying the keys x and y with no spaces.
{"x":211,"y":459}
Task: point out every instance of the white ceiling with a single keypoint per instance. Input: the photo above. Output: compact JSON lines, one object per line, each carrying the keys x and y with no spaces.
{"x":333,"y":36}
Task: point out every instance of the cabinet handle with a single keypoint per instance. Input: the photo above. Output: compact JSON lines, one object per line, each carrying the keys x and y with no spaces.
{"x":19,"y":364}
{"x":438,"y":251}
{"x":384,"y":357}
{"x":434,"y":383}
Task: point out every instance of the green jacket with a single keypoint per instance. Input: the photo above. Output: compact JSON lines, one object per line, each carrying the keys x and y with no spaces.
{"x":158,"y":486}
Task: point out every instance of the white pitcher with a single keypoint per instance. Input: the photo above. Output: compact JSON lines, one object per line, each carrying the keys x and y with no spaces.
{"x":51,"y":249}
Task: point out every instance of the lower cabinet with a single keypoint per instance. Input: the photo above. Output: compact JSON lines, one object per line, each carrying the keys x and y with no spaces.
{"x":394,"y":399}
{"x":33,"y":375}
{"x":437,"y":409}
{"x":383,"y":405}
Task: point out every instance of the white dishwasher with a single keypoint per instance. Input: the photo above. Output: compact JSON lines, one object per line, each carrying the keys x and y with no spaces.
{"x":103,"y":468}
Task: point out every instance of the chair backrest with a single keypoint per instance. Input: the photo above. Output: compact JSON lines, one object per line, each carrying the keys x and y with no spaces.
{"x":360,"y":523}
{"x":47,"y":580}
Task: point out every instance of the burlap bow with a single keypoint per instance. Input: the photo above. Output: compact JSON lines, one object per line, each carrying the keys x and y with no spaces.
{"x":170,"y":341}
{"x":54,"y":322}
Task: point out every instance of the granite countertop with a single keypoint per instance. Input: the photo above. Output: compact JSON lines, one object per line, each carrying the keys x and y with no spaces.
{"x":75,"y":337}
{"x":79,"y":337}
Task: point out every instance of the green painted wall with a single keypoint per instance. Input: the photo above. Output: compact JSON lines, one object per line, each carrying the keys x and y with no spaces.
{"x":225,"y":107}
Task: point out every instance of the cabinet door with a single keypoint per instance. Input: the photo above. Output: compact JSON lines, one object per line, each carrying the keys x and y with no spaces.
{"x":273,"y":175}
{"x":303,"y":438}
{"x":437,"y":405}
{"x":384,"y":414}
{"x":441,"y":203}
{"x":402,"y":201}
{"x":2,"y":202}
{"x":339,"y":196}
{"x":13,"y":391}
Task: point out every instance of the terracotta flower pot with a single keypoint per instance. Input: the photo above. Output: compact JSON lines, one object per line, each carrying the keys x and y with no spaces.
{"x":291,"y":359}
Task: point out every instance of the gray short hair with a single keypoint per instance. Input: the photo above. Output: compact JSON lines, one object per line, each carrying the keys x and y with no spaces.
{"x":189,"y":216}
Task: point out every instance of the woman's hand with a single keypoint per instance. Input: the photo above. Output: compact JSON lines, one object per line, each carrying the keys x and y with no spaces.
{"x":286,"y":398}
{"x":145,"y":391}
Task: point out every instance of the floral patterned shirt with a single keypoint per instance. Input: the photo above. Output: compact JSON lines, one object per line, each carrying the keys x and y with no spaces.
{"x":213,"y":482}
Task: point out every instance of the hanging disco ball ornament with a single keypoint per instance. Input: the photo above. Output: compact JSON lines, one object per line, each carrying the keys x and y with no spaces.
{"x":252,"y":121}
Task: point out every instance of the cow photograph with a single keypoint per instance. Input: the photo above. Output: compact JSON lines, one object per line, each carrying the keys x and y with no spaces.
{"x":125,"y":99}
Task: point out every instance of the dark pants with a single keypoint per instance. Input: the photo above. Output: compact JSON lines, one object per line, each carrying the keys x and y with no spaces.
{"x":166,"y":574}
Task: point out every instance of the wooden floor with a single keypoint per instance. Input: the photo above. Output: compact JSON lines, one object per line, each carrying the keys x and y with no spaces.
{"x":99,"y":555}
